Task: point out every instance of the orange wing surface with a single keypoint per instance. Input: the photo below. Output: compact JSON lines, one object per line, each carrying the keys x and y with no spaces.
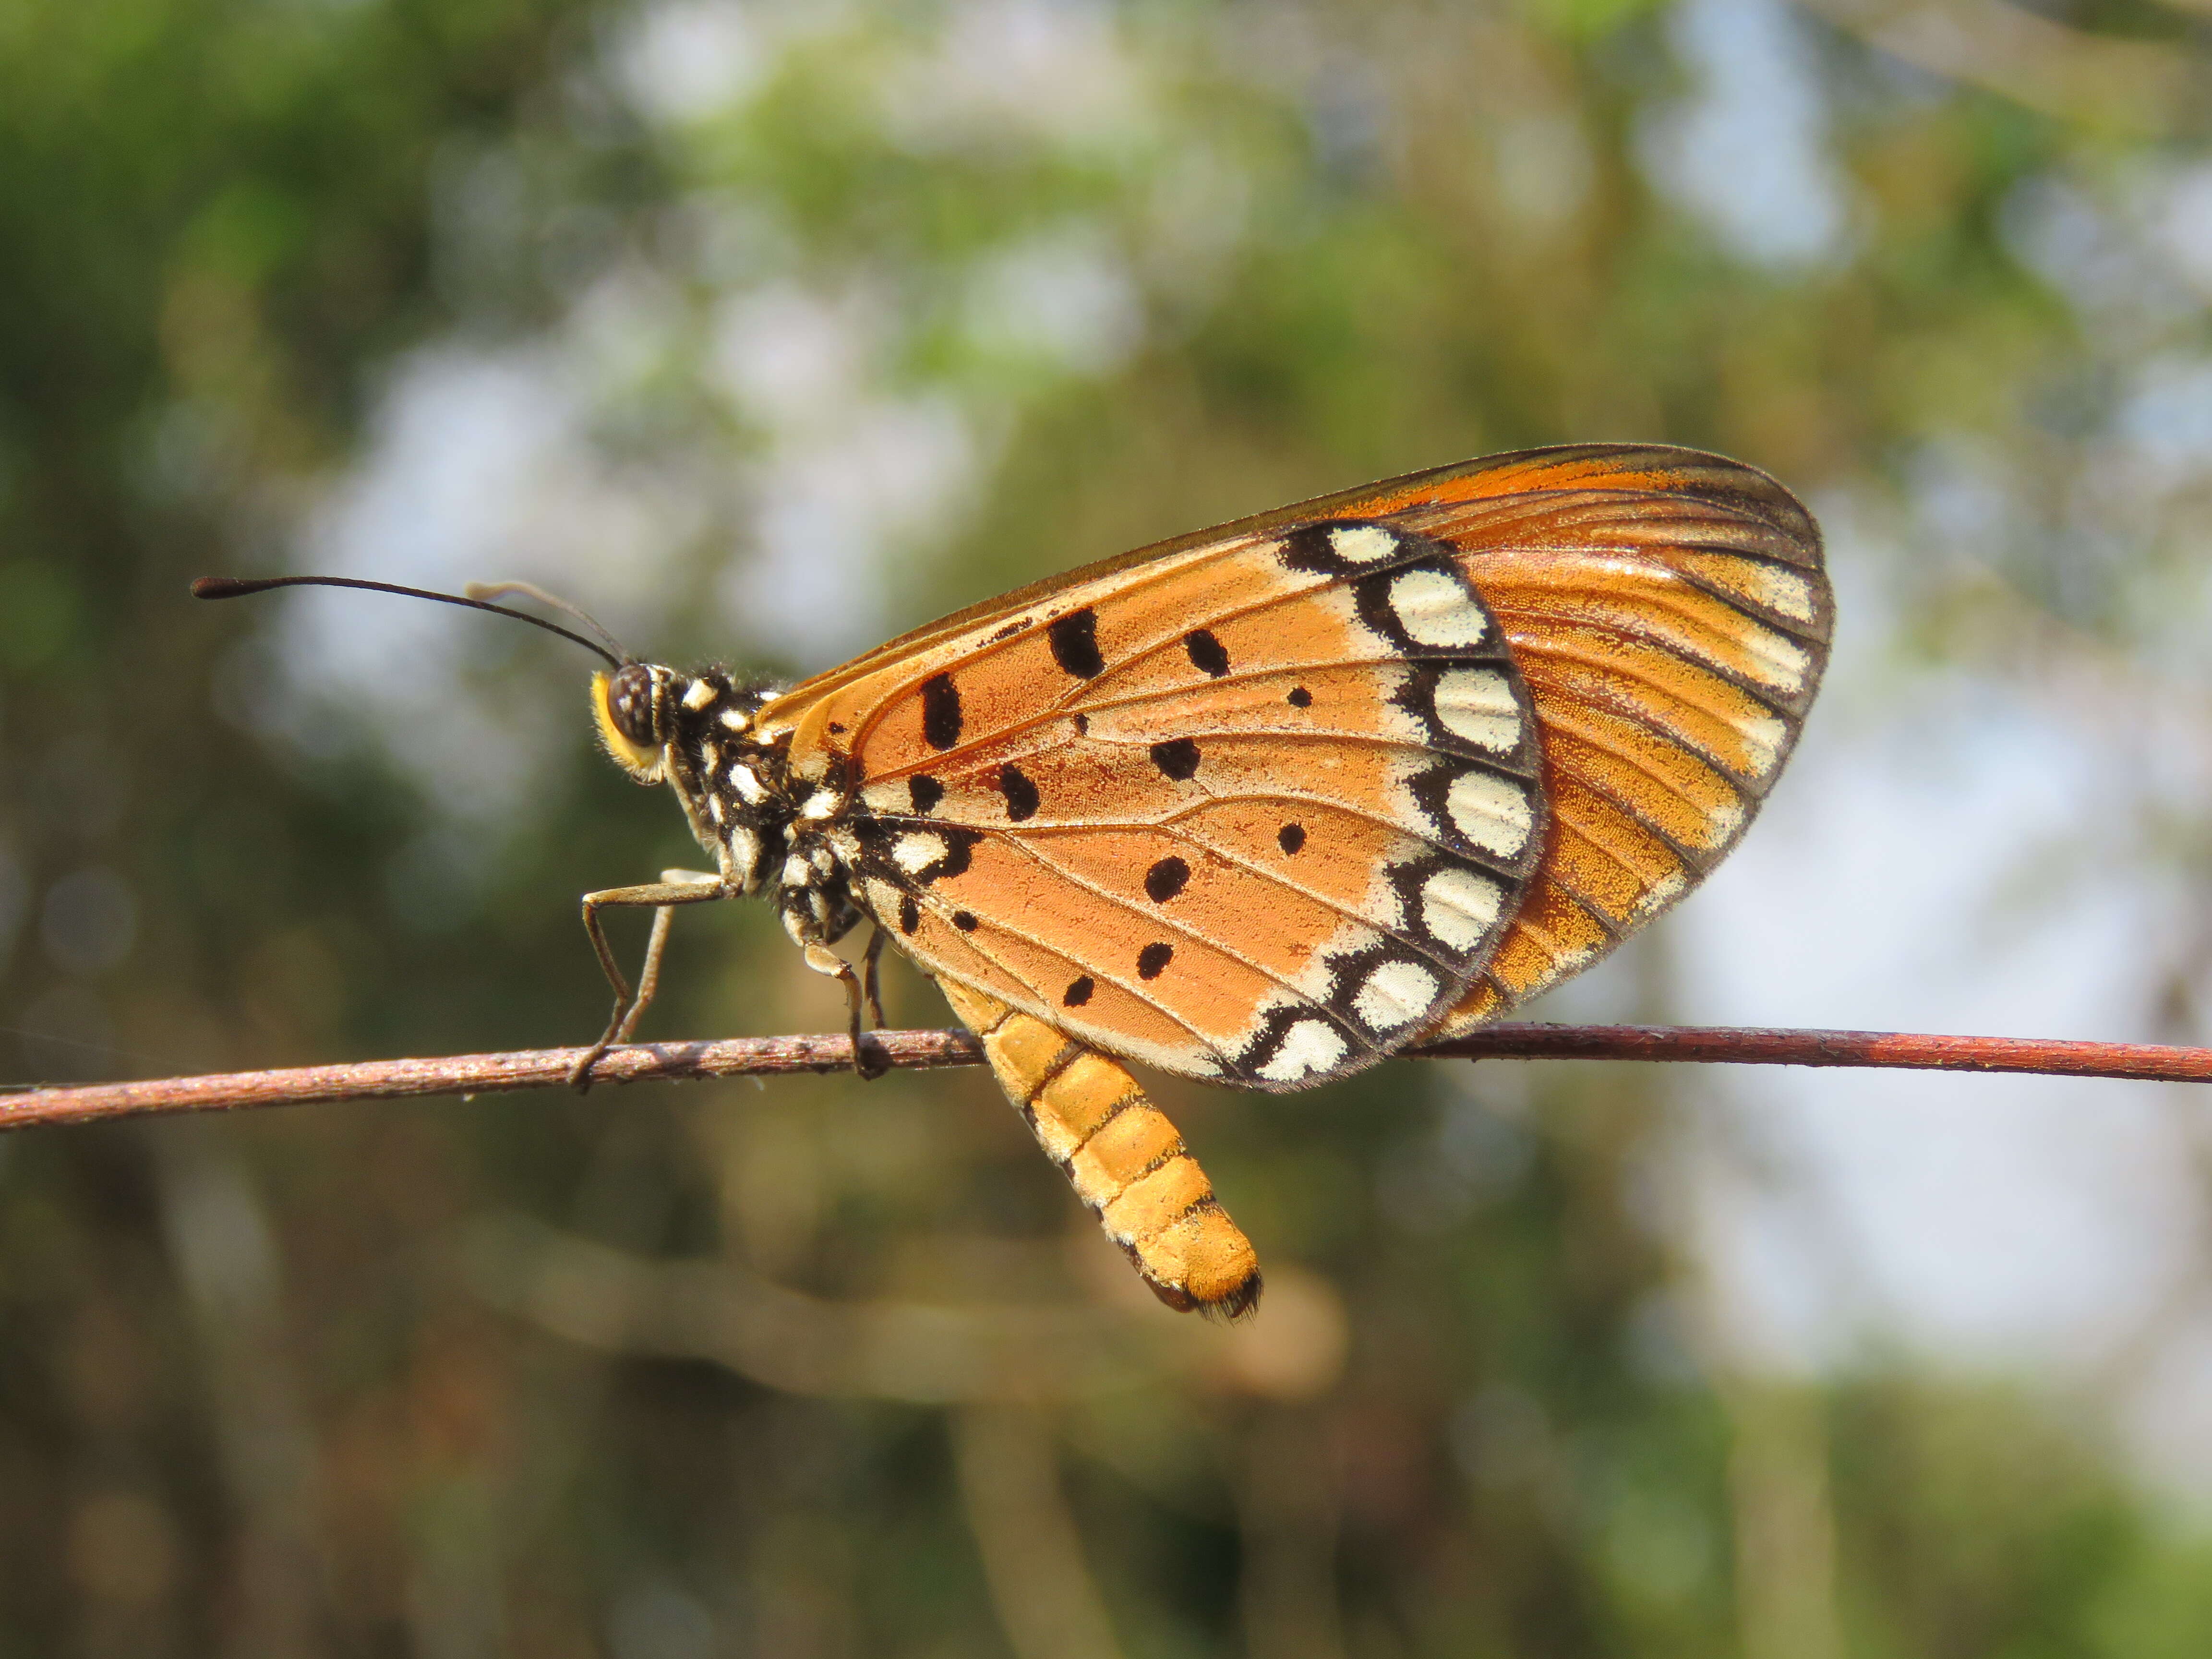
{"x":1266,"y":803}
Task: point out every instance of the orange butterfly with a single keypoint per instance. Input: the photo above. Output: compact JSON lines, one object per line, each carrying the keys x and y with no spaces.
{"x":1264,"y":804}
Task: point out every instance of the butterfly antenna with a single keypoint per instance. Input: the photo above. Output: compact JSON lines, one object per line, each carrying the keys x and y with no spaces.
{"x":231,"y":587}
{"x":551,"y":602}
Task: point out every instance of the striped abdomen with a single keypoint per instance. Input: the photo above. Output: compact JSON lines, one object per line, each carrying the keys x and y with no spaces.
{"x":1124,"y":1159}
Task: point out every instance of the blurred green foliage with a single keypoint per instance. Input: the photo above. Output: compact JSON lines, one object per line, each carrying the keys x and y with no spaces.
{"x":819,"y":1369}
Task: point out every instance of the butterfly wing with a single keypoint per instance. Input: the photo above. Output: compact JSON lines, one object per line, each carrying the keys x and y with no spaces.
{"x":1671,"y":615}
{"x":1263,"y":803}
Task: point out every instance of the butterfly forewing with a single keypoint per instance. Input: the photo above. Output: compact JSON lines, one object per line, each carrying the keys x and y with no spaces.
{"x":1254,"y":812}
{"x":1264,"y":804}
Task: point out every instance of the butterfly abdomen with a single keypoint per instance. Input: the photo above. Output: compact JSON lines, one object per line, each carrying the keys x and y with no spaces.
{"x":1125,"y":1159}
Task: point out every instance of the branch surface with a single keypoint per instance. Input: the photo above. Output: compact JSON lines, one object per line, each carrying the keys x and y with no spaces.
{"x":662,"y":1062}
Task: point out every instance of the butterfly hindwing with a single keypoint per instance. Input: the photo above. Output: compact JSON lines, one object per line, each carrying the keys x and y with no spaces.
{"x":1672,"y":640}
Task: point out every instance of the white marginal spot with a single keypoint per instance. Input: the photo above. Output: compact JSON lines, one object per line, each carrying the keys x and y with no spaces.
{"x":714,"y":808}
{"x":1775,"y":660}
{"x":823,"y":859}
{"x":1395,"y":993}
{"x":1309,"y":1046}
{"x":1784,"y":590}
{"x":736,"y":720}
{"x":1459,"y":907}
{"x":1778,"y":589}
{"x":822,"y":804}
{"x":1787,"y":592}
{"x":1435,"y":610}
{"x":1779,"y":661}
{"x":846,"y":844}
{"x":1661,"y":894}
{"x":796,"y":872}
{"x":1765,"y":735}
{"x":917,"y":850}
{"x":747,"y":783}
{"x":1726,"y":819}
{"x":1477,"y":704}
{"x":710,"y":757}
{"x":1491,"y":811}
{"x":1364,"y":544}
{"x":698,"y":695}
{"x":887,"y":798}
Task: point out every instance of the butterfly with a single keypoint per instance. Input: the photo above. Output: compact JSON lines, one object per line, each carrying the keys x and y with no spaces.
{"x":1263,"y":805}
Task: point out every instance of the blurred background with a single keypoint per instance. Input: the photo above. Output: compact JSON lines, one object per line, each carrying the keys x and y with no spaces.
{"x":768,"y":328}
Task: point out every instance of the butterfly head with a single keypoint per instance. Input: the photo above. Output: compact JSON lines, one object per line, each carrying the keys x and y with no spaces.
{"x":627,"y":704}
{"x":695,"y":732}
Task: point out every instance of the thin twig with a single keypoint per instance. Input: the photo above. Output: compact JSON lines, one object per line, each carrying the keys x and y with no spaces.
{"x":655,"y":1062}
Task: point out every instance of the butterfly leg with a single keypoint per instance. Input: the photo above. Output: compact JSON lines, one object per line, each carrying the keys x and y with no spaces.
{"x":871,"y":985}
{"x":824,"y":961}
{"x":675,"y":887}
{"x":1125,"y":1159}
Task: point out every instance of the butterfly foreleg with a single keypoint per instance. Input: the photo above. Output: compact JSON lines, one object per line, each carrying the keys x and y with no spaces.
{"x":675,"y":887}
{"x":1126,"y":1161}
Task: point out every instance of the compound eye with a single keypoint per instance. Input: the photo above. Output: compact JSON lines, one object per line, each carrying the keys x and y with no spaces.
{"x":630,"y":703}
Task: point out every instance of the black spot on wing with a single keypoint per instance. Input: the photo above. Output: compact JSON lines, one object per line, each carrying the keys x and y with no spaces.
{"x":1165,"y":879}
{"x":1021,"y":794}
{"x":1152,"y":961}
{"x":909,"y":914}
{"x":925,"y":791}
{"x":1291,"y":837}
{"x":1074,"y":640}
{"x":1207,"y":654}
{"x":1177,"y":758}
{"x":959,"y":854}
{"x":964,"y":920}
{"x":1299,"y":697}
{"x":1078,"y":992}
{"x":940,"y":711}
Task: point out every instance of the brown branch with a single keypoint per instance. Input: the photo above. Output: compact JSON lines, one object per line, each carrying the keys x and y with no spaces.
{"x":656,"y":1062}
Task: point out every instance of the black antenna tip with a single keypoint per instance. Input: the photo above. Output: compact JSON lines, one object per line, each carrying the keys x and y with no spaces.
{"x":223,"y":587}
